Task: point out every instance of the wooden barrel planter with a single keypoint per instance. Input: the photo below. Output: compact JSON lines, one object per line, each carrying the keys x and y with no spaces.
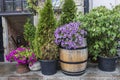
{"x":74,"y":62}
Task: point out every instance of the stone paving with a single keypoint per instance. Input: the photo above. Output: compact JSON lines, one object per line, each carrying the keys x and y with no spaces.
{"x":7,"y":72}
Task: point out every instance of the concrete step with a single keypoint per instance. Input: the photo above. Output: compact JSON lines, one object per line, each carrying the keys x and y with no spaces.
{"x":7,"y":72}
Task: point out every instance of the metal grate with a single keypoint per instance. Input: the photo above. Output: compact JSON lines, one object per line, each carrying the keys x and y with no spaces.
{"x":13,"y":5}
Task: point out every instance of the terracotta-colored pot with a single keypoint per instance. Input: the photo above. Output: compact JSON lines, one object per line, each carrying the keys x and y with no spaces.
{"x":22,"y":68}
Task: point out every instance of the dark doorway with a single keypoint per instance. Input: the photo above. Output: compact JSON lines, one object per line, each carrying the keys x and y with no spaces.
{"x":1,"y":42}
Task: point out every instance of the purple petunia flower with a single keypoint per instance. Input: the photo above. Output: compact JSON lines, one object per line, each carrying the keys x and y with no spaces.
{"x":70,"y":36}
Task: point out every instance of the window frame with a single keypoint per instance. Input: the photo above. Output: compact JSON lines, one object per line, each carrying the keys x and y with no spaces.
{"x":21,"y":5}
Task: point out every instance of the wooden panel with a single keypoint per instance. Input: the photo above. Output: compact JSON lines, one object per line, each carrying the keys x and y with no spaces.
{"x":74,"y":60}
{"x":73,"y":56}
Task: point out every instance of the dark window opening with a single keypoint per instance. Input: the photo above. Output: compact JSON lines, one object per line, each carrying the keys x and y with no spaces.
{"x":1,"y":42}
{"x":13,"y":5}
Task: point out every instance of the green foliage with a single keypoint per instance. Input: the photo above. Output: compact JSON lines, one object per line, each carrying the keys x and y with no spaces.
{"x":102,"y":25}
{"x":45,"y":30}
{"x":33,"y":7}
{"x":29,"y":32}
{"x":68,"y":12}
{"x":117,"y":8}
{"x":50,"y":51}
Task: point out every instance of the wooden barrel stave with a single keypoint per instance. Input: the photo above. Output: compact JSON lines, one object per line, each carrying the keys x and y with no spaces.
{"x":74,"y":61}
{"x":73,"y":67}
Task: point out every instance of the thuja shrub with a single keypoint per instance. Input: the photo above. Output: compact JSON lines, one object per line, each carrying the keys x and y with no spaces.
{"x":45,"y":29}
{"x":68,"y":12}
{"x":29,"y":32}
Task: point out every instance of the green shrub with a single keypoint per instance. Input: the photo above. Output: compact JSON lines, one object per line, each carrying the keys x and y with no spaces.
{"x":45,"y":31}
{"x":103,"y":30}
{"x":29,"y":33}
{"x":68,"y":12}
{"x":33,"y":6}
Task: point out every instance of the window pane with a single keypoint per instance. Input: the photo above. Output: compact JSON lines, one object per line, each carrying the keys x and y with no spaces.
{"x":24,"y":3}
{"x":17,"y":5}
{"x":8,"y":5}
{"x":0,"y":5}
{"x":0,"y":8}
{"x":57,"y":3}
{"x":13,"y":5}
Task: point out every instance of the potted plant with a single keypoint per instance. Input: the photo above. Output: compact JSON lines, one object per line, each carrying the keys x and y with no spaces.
{"x":24,"y":57}
{"x":108,"y":54}
{"x":73,"y":51}
{"x":49,"y":58}
{"x":43,"y":44}
{"x":102,"y":25}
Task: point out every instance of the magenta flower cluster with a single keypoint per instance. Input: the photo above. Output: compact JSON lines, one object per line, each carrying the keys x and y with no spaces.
{"x":70,"y":36}
{"x":22,"y":56}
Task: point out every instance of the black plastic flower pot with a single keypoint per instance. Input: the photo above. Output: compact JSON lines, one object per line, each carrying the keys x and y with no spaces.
{"x":107,"y":64}
{"x":48,"y":67}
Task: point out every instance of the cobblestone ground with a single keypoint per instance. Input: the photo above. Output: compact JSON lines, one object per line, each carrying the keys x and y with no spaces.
{"x":7,"y":72}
